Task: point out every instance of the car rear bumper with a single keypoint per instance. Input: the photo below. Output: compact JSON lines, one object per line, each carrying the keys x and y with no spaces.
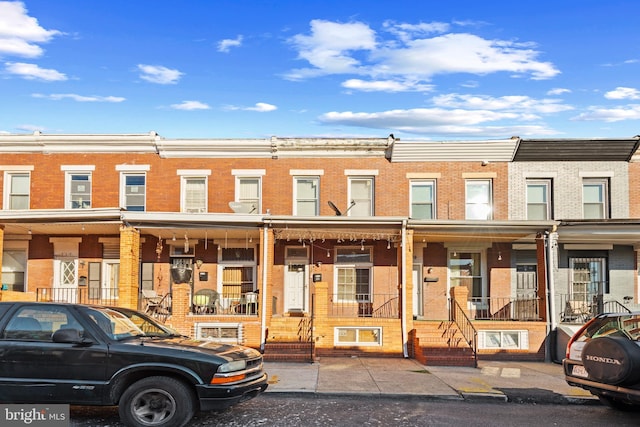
{"x":598,"y":388}
{"x":220,"y":397}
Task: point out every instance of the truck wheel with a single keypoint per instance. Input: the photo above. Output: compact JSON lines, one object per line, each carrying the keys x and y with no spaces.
{"x":157,"y":402}
{"x":617,"y":404}
{"x":612,"y":360}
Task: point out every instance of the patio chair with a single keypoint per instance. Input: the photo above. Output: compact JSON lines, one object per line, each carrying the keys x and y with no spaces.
{"x":206,"y":301}
{"x":151,"y":300}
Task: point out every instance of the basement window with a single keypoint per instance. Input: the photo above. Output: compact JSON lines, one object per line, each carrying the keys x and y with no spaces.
{"x":220,"y":332}
{"x":358,"y":336}
{"x":503,"y":340}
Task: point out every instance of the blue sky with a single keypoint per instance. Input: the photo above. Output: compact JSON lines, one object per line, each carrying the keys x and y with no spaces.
{"x":251,"y":69}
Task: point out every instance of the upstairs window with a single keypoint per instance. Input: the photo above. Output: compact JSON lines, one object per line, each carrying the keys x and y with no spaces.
{"x":134,"y":191}
{"x":79,"y":190}
{"x":194,"y":194}
{"x":248,"y":194}
{"x":478,"y":199}
{"x":595,"y":198}
{"x":361,"y":193}
{"x":17,"y":190}
{"x":539,"y":199}
{"x":423,"y":199}
{"x":306,"y":195}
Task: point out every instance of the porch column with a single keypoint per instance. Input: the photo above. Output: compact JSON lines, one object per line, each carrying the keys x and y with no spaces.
{"x":460,"y":294}
{"x":2,"y":251}
{"x":266,"y":282}
{"x":541,"y":256}
{"x":408,"y":288}
{"x":129,"y":267}
{"x":322,"y":331}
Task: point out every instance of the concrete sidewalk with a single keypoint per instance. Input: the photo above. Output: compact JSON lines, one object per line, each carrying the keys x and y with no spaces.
{"x":529,"y":382}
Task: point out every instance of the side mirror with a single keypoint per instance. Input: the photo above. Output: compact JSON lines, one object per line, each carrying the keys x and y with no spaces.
{"x":70,"y":336}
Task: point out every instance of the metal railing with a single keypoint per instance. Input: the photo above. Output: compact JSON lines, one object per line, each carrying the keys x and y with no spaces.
{"x":582,"y":307}
{"x":227,"y":304}
{"x":384,"y":306}
{"x":521,"y":308}
{"x":459,"y":317}
{"x":80,"y":295}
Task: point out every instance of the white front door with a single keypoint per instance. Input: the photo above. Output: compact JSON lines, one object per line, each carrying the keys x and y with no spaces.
{"x":417,"y":290}
{"x":295,"y":286}
{"x":112,"y":277}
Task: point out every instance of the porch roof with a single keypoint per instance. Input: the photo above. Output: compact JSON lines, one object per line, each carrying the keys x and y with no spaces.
{"x":611,"y":231}
{"x":479,"y":230}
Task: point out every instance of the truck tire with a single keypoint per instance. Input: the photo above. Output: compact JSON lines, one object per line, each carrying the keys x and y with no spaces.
{"x":612,"y":360}
{"x":157,"y":402}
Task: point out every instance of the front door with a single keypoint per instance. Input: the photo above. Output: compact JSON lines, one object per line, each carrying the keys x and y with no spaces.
{"x":295,"y":288}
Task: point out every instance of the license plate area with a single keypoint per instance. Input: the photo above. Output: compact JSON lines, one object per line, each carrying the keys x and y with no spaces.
{"x":579,"y":371}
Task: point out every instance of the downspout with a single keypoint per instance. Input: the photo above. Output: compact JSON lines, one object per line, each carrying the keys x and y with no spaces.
{"x":265,"y":256}
{"x":403,"y":287}
{"x":552,"y":325}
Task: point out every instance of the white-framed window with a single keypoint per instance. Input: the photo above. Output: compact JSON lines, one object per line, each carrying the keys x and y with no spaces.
{"x":465,"y":269}
{"x":358,"y":336}
{"x":423,"y":199}
{"x":353,"y":271}
{"x":588,"y":278}
{"x":506,"y":339}
{"x":478,"y":199}
{"x":193,"y":190}
{"x":595,"y":198}
{"x":306,"y":195}
{"x":220,"y":332}
{"x":539,"y":199}
{"x":14,"y":268}
{"x":17,"y":190}
{"x":78,"y":190}
{"x":248,"y":193}
{"x":236,"y":273}
{"x":134,"y":191}
{"x":361,"y":192}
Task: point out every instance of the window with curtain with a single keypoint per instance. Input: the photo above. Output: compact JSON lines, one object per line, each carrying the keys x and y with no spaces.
{"x":79,"y":185}
{"x":306,"y":196}
{"x":353,"y":274}
{"x":18,"y":190}
{"x":194,"y":194}
{"x":248,"y":194}
{"x":361,"y":192}
{"x":135,"y":192}
{"x":465,"y":269}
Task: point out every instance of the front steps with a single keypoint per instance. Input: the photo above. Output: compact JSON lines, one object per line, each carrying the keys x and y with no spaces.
{"x":440,"y":343}
{"x":298,"y":352}
{"x":289,"y":340}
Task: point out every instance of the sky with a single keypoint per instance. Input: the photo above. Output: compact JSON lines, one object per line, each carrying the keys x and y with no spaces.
{"x":419,"y":69}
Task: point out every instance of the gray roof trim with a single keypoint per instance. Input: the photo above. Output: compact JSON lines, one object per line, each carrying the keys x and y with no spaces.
{"x":596,"y":149}
{"x":453,"y":151}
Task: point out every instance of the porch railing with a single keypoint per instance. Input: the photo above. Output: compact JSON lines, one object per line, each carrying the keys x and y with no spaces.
{"x":227,"y":304}
{"x":384,"y":306}
{"x":580,"y":308}
{"x":458,"y":315}
{"x":80,"y":295}
{"x":521,"y":308}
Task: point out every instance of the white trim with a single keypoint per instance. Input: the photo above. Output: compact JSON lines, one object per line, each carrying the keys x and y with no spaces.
{"x":133,"y":168}
{"x":523,"y":339}
{"x":338,"y":343}
{"x":306,"y":172}
{"x":423,"y":175}
{"x":596,"y":174}
{"x":539,"y":175}
{"x":193,"y":172}
{"x":77,"y":168}
{"x":362,"y":172}
{"x":248,"y":172}
{"x":16,"y":168}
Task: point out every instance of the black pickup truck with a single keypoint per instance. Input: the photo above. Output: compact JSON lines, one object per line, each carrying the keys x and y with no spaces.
{"x":58,"y":353}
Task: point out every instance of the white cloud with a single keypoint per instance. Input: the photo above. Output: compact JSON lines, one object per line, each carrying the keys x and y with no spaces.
{"x":79,"y":98}
{"x":523,"y":104}
{"x":386,"y":86}
{"x":558,"y":91}
{"x":226,"y":44}
{"x":413,"y":55}
{"x":190,"y":106}
{"x":159,"y":74}
{"x":260,"y":107}
{"x":34,"y":72}
{"x":30,"y":128}
{"x":630,"y":112}
{"x":21,"y":33}
{"x":623,"y":93}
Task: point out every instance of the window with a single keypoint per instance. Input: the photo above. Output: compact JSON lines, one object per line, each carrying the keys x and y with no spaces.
{"x":588,"y":278}
{"x":194,"y":194}
{"x":465,"y":269}
{"x":595,"y":197}
{"x":358,"y":336}
{"x":353,"y":274}
{"x":306,"y":195}
{"x":248,"y":194}
{"x":220,"y":332}
{"x":134,"y":194}
{"x":17,"y":190}
{"x":38,"y":322}
{"x":361,"y":192}
{"x":79,"y":190}
{"x":539,"y":199}
{"x":423,"y":199}
{"x":478,"y":199}
{"x":14,"y":266}
{"x":503,"y":340}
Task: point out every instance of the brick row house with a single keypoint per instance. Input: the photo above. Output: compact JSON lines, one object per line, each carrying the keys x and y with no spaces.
{"x":306,"y":247}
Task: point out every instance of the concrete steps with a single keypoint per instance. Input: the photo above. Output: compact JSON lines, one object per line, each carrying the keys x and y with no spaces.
{"x":441,"y":344}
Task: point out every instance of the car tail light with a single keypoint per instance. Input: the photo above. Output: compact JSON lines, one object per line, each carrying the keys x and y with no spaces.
{"x":577,"y":335}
